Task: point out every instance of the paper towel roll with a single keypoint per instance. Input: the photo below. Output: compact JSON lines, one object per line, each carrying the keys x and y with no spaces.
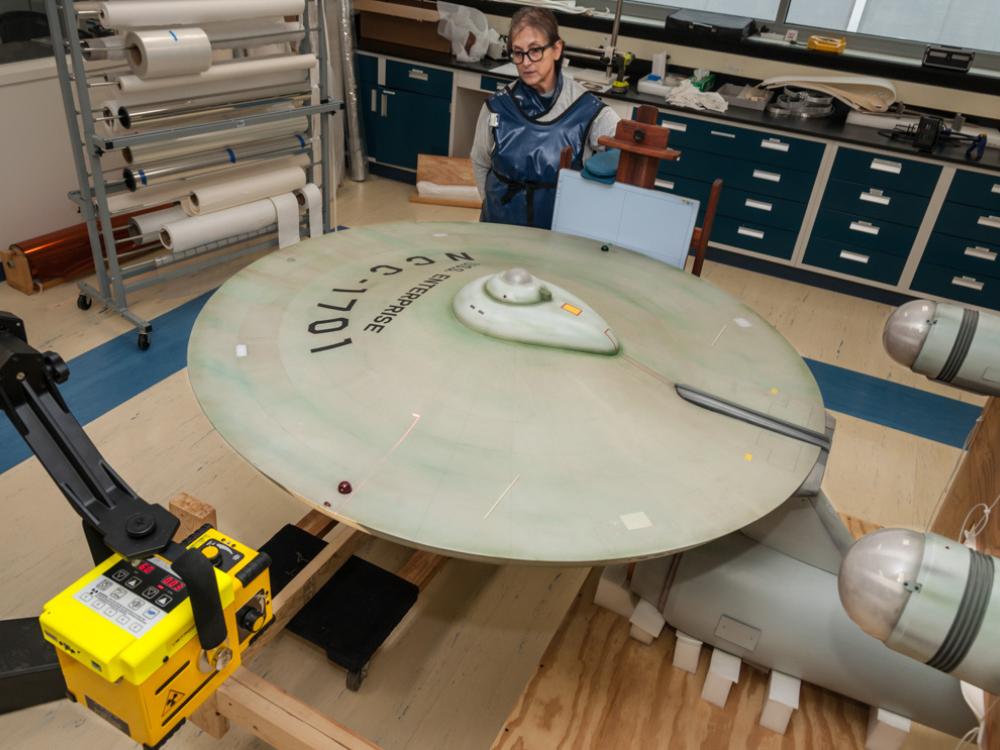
{"x":142,"y":13}
{"x":162,"y":53}
{"x":236,"y":190}
{"x":194,"y":231}
{"x":146,"y":227}
{"x":192,"y":144}
{"x":245,"y":70}
{"x":311,"y":197}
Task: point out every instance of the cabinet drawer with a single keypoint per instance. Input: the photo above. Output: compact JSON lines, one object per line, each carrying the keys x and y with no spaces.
{"x":684,"y":131}
{"x":880,"y":236}
{"x":942,"y":281}
{"x":976,"y":258}
{"x":489,"y":83}
{"x":742,"y":175}
{"x":763,"y":149}
{"x":842,"y":257}
{"x":420,"y":79}
{"x":761,"y":209}
{"x":886,"y":172}
{"x":687,"y":188}
{"x":976,"y":189}
{"x":979,"y":224}
{"x":752,"y":236}
{"x":875,"y":203}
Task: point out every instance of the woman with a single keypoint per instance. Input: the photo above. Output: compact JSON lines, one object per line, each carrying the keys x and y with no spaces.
{"x":523,"y":128}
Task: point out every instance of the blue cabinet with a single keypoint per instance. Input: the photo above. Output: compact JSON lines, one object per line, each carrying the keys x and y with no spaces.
{"x":406,"y":115}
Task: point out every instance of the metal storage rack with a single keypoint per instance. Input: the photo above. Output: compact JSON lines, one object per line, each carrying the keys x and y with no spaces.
{"x":90,"y":146}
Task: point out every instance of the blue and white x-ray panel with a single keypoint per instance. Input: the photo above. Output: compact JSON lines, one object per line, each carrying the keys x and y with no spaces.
{"x":650,"y":222}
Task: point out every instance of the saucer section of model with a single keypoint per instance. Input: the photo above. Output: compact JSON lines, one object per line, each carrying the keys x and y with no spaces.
{"x":346,"y":371}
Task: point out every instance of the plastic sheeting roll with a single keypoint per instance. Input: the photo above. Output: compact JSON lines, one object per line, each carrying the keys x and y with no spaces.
{"x":194,"y":231}
{"x":162,"y":53}
{"x":311,"y":197}
{"x":142,"y":13}
{"x":220,"y":195}
{"x":193,"y":144}
{"x":245,"y":70}
{"x":146,"y":227}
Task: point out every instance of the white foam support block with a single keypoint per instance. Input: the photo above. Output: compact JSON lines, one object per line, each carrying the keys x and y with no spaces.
{"x":723,"y":671}
{"x":612,"y":591}
{"x":641,"y":635}
{"x":782,"y":699}
{"x":687,"y":651}
{"x":886,"y":730}
{"x":647,"y":618}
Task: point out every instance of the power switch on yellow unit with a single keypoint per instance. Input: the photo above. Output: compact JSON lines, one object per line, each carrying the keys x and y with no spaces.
{"x":127,"y":640}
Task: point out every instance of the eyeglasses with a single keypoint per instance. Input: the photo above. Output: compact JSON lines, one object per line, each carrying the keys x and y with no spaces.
{"x":532,"y":53}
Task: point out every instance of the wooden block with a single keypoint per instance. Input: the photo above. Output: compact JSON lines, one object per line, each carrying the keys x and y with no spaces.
{"x":280,"y":720}
{"x":886,"y":730}
{"x":647,"y":618}
{"x":612,"y":591}
{"x":723,"y":671}
{"x":208,"y":719}
{"x":316,"y":523}
{"x":192,"y":512}
{"x":687,"y":652}
{"x":782,"y":699}
{"x":421,"y":568}
{"x":17,"y":271}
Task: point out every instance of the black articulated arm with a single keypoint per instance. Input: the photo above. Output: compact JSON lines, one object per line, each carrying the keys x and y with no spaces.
{"x":112,"y":513}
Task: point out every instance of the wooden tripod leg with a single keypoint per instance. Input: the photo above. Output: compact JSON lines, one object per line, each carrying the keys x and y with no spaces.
{"x":704,"y":234}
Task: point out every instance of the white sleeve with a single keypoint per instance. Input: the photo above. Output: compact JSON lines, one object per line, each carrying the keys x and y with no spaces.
{"x":604,"y":124}
{"x":482,"y":147}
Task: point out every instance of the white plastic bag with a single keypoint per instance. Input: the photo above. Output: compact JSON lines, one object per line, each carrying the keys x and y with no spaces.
{"x":467,"y":29}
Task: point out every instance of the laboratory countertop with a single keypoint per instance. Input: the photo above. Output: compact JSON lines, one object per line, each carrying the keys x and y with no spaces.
{"x":833,"y":128}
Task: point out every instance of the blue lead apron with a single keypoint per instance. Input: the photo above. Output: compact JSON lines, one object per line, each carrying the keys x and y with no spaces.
{"x":521,"y":183}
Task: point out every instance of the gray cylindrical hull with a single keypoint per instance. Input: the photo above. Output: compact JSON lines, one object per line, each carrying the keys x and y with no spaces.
{"x":804,"y":630}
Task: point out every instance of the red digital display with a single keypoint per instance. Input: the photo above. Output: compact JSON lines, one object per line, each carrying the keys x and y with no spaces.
{"x":146,"y":567}
{"x":174,"y":584}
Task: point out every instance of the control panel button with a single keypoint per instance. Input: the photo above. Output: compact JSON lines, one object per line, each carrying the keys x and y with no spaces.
{"x":150,"y":592}
{"x":164,"y":600}
{"x":133,"y":583}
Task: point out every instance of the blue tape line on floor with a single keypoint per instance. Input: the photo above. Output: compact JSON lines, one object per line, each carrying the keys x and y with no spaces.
{"x":944,"y":420}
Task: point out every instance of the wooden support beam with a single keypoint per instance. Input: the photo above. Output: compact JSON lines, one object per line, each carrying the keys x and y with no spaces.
{"x":280,"y":720}
{"x":421,"y":568}
{"x":192,"y":512}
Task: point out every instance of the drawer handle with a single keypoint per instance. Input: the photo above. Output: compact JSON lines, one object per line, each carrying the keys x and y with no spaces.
{"x":665,"y":184}
{"x":995,"y":188}
{"x":968,"y":282}
{"x":884,"y":165}
{"x":722,"y":134}
{"x":680,"y":127}
{"x":854,"y":257}
{"x":374,"y":100}
{"x":993,"y":222}
{"x":418,"y":75}
{"x":865,"y":227}
{"x":873,"y":196}
{"x":759,"y":205}
{"x":747,"y":232}
{"x":760,"y":174}
{"x":774,"y":144}
{"x":385,"y":103}
{"x":980,"y":252}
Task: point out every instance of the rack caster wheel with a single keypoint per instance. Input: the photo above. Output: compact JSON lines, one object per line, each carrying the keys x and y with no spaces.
{"x":354,"y":679}
{"x":143,"y":341}
{"x":84,"y":302}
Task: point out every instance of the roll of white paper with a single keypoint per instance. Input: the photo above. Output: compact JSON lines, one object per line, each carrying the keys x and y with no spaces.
{"x":171,"y":191}
{"x":193,"y":144}
{"x":142,"y":13}
{"x":311,"y":197}
{"x":286,"y":208}
{"x":234,"y":190}
{"x":195,"y":231}
{"x":162,"y":53}
{"x":146,"y":227}
{"x":241,"y":70}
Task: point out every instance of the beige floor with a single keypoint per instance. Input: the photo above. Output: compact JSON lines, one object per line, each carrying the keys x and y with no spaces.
{"x":161,"y":443}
